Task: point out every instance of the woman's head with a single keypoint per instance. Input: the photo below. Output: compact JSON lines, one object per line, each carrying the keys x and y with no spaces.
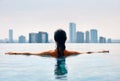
{"x":60,"y":36}
{"x":60,"y":39}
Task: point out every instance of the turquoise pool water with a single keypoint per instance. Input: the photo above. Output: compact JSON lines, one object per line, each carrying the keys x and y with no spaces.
{"x":86,"y":67}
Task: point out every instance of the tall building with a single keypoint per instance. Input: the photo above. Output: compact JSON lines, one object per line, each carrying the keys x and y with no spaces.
{"x":80,"y":37}
{"x":22,"y":39}
{"x":102,"y":40}
{"x":32,"y":37}
{"x":42,"y":37}
{"x":93,"y":36}
{"x":87,"y":37}
{"x":72,"y":32}
{"x":10,"y":36}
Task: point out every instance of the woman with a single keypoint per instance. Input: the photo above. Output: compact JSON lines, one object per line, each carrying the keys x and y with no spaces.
{"x":60,"y":51}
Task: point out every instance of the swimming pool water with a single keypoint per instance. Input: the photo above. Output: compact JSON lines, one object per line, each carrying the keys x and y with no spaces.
{"x":85,"y":67}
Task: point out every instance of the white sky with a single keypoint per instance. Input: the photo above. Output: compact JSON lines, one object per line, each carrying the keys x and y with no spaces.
{"x":25,"y":16}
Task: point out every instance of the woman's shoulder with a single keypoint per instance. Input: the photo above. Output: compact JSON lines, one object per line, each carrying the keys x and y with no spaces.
{"x":53,"y":53}
{"x":70,"y":52}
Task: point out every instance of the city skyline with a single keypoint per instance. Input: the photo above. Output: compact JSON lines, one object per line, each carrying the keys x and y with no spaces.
{"x":49,"y":15}
{"x":90,"y":36}
{"x":71,"y":35}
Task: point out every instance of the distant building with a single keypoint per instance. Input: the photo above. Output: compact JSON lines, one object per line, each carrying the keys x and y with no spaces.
{"x":32,"y":37}
{"x":87,"y":37}
{"x":42,"y":37}
{"x":80,"y":37}
{"x":115,"y":40}
{"x":22,"y":39}
{"x":93,"y":36}
{"x":102,"y":40}
{"x":2,"y":41}
{"x":109,"y":40}
{"x":72,"y":32}
{"x":10,"y":36}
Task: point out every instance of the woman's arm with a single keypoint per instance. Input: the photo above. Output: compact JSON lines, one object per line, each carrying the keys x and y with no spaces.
{"x":103,"y":51}
{"x":28,"y":53}
{"x":69,"y":53}
{"x":18,"y":53}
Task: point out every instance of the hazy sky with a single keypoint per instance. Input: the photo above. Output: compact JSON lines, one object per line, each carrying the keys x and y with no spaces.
{"x":25,"y":16}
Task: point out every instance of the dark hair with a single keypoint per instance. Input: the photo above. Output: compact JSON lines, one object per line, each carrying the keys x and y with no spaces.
{"x":60,"y":38}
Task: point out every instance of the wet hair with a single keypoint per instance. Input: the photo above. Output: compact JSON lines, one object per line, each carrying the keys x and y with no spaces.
{"x":60,"y":38}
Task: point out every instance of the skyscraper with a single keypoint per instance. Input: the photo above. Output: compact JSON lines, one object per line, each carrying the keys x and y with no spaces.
{"x":22,"y":39}
{"x":80,"y":37}
{"x":87,"y":37}
{"x":93,"y":36}
{"x":42,"y":37}
{"x":72,"y":32}
{"x":32,"y":37}
{"x":102,"y":40}
{"x":10,"y":36}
